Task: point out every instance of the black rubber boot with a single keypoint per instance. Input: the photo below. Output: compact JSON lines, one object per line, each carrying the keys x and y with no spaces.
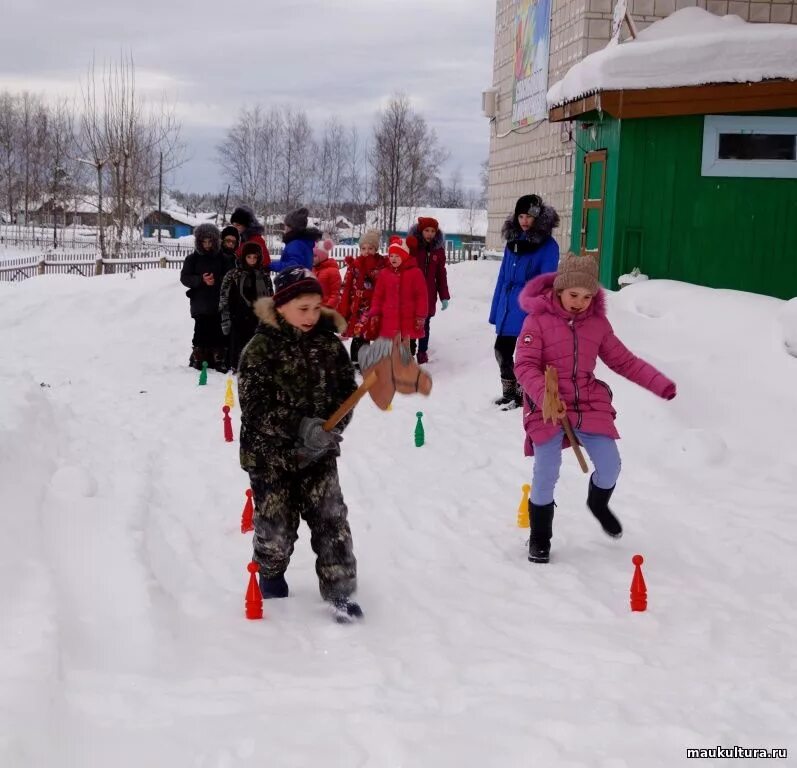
{"x":541,"y":519}
{"x":508,"y":396}
{"x":598,"y":503}
{"x":273,"y":588}
{"x":517,"y":398}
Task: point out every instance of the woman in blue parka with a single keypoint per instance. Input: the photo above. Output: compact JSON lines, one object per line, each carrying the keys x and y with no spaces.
{"x":299,"y":242}
{"x":530,"y":251}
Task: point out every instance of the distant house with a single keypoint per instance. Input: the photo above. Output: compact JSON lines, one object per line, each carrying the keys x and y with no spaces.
{"x":80,"y":211}
{"x":174,"y":223}
{"x":461,"y":226}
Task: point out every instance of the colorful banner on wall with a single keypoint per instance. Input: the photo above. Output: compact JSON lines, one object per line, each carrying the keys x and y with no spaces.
{"x":532,"y":45}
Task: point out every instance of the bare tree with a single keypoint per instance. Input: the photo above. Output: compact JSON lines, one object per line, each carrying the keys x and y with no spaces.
{"x":126,"y":141}
{"x":331,"y":166}
{"x":9,"y":150}
{"x":298,"y":156}
{"x":405,"y":159}
{"x":484,"y":180}
{"x":60,"y":153}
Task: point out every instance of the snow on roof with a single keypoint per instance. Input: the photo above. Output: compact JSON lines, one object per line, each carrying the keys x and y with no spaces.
{"x":690,"y":47}
{"x":183,"y":217}
{"x":453,"y":221}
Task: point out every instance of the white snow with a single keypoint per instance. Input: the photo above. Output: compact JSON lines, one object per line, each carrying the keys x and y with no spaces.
{"x":634,"y":276}
{"x":788,"y":320}
{"x":689,"y":47}
{"x":123,"y":640}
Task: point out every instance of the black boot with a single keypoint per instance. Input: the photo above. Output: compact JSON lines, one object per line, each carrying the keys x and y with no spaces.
{"x":195,"y":361}
{"x":541,"y":519}
{"x":598,"y":503}
{"x":273,"y":588}
{"x":508,"y":396}
{"x":517,"y":398}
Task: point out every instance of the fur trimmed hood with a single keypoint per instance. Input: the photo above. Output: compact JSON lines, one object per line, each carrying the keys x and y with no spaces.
{"x":330,"y":320}
{"x":210,"y":231}
{"x":311,"y":233}
{"x":542,"y":229}
{"x":537,"y":298}
{"x":439,"y":238}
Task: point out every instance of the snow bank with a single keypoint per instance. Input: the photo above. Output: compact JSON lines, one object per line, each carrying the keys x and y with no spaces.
{"x":123,"y":637}
{"x":788,"y":319}
{"x":690,"y":47}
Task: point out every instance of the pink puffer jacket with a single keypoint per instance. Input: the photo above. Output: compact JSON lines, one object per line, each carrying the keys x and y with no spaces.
{"x":572,"y":344}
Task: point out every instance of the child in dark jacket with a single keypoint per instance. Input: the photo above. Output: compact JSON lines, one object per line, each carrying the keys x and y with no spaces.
{"x":250,"y":231}
{"x":230,"y":244}
{"x":241,"y":288}
{"x":530,"y":251}
{"x":567,"y":328}
{"x":299,"y":242}
{"x":430,"y":253}
{"x":293,"y":375}
{"x":202,"y":273}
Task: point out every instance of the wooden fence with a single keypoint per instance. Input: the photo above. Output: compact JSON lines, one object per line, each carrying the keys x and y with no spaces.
{"x":87,"y":263}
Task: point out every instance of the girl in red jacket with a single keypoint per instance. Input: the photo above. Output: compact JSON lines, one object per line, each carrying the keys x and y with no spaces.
{"x":327,"y":271}
{"x":358,"y":291}
{"x":567,"y":328}
{"x":400,"y":301}
{"x":430,"y":253}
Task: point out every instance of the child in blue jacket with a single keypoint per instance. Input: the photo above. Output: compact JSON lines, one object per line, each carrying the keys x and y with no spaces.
{"x":530,"y":251}
{"x":299,"y":242}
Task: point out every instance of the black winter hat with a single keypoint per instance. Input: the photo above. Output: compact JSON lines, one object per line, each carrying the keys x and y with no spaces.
{"x":293,"y":282}
{"x":244,"y":216}
{"x":297,"y":219}
{"x":252,"y":247}
{"x":230,"y":232}
{"x":529,"y":204}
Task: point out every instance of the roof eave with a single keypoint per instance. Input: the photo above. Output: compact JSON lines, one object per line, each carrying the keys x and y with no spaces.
{"x":715,"y":98}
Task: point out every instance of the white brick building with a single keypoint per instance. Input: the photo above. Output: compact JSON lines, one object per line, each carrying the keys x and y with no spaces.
{"x":540,"y":158}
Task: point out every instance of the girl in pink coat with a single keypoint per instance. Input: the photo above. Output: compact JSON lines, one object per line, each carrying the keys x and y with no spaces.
{"x":567,"y":328}
{"x":400,"y":302}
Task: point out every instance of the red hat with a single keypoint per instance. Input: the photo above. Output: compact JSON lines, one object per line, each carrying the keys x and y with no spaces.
{"x":400,"y":247}
{"x":427,"y":221}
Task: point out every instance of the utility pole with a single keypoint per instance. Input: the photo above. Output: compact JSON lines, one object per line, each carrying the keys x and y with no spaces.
{"x":160,"y":195}
{"x":226,"y":202}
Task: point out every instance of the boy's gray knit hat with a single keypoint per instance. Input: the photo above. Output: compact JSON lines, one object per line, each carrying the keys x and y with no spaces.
{"x":577,"y":272}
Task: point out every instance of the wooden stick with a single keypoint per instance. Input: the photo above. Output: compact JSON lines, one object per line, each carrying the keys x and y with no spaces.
{"x":352,"y":400}
{"x":574,"y":444}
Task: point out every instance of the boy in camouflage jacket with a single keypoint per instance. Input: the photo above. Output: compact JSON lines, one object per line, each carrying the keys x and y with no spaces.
{"x":293,"y":375}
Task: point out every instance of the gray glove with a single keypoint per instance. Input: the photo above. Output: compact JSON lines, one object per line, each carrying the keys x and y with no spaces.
{"x":316,"y":442}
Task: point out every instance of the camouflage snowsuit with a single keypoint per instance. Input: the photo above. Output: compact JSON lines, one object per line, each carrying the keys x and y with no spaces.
{"x":285,"y":375}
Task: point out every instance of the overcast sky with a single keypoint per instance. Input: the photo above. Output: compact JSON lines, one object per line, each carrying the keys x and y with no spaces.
{"x":343,"y":57}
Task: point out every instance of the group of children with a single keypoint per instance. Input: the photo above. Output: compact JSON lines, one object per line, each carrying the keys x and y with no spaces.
{"x":295,"y":372}
{"x":382,"y":295}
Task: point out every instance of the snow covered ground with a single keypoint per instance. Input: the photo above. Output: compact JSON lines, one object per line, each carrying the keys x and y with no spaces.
{"x":123,"y":641}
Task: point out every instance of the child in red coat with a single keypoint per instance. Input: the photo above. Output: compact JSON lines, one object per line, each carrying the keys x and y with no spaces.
{"x":327,"y":271}
{"x":401,"y":300}
{"x":358,"y":291}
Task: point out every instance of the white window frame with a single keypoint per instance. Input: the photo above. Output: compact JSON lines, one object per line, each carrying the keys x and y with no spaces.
{"x":714,"y":125}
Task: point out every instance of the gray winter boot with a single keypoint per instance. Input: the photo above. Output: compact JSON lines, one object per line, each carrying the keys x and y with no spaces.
{"x":508,"y":396}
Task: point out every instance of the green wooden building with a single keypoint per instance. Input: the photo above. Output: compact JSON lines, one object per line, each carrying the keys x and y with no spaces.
{"x":691,"y":183}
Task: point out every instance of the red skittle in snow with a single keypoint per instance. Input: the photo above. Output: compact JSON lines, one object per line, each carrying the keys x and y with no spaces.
{"x":254,"y":599}
{"x":248,"y":514}
{"x":639,"y":591}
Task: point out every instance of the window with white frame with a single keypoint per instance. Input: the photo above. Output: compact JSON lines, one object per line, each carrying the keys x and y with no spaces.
{"x":750,"y":145}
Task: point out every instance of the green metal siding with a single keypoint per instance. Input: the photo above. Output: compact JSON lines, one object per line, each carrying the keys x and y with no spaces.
{"x":722,"y":232}
{"x":662,"y":216}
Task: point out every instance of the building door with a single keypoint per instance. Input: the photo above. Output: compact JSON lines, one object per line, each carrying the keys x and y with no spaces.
{"x":592,"y":204}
